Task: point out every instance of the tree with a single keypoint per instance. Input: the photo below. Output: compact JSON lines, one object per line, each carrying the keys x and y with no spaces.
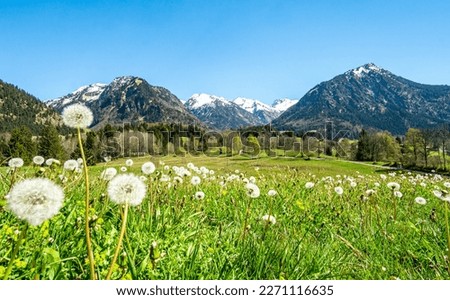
{"x":363,"y":151}
{"x":50,"y":143}
{"x":21,"y":144}
{"x":413,"y":144}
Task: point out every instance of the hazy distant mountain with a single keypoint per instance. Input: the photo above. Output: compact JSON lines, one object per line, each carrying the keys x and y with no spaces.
{"x":265,"y":113}
{"x":220,"y":113}
{"x":128,"y":99}
{"x":369,"y":97}
{"x":18,"y":108}
{"x":283,"y":104}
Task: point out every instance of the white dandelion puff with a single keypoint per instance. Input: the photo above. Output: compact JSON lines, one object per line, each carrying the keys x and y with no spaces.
{"x":271,"y":193}
{"x":339,"y":190}
{"x":126,"y":188}
{"x":309,"y":185}
{"x":15,"y":162}
{"x":398,"y":194}
{"x":51,"y":161}
{"x":393,"y":186}
{"x":370,"y":192}
{"x":38,"y":160}
{"x":195,"y":180}
{"x":252,"y":190}
{"x":129,"y":162}
{"x":148,"y":168}
{"x":123,"y":169}
{"x":420,"y":200}
{"x":199,"y":195}
{"x":178,"y":180}
{"x":269,"y":219}
{"x":77,"y":116}
{"x":108,"y":174}
{"x":70,"y":165}
{"x":35,"y":200}
{"x":447,"y":184}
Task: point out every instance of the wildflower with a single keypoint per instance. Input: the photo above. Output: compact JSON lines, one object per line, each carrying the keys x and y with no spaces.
{"x":382,"y":176}
{"x":195,"y":180}
{"x":398,"y":194}
{"x":252,"y":190}
{"x":35,"y":200}
{"x":393,"y":186}
{"x":178,"y":180}
{"x":148,"y":168}
{"x":271,"y":193}
{"x":77,"y":116}
{"x":420,"y":200}
{"x":123,"y":169}
{"x":269,"y":219}
{"x":143,"y":178}
{"x":108,"y":174}
{"x":199,"y":195}
{"x":38,"y":160}
{"x":309,"y":185}
{"x":353,"y":184}
{"x":339,"y":190}
{"x":129,"y":162}
{"x":190,"y":166}
{"x":443,"y":195}
{"x":252,"y":179}
{"x":447,"y":184}
{"x":52,"y":161}
{"x":370,"y":192}
{"x":126,"y":188}
{"x":16,"y":162}
{"x":71,"y":165}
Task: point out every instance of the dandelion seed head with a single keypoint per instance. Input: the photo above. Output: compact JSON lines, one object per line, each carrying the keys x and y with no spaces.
{"x":15,"y":162}
{"x":339,"y":190}
{"x":35,"y":200}
{"x":108,"y":174}
{"x":129,"y":162}
{"x":70,"y":165}
{"x":252,"y":190}
{"x":77,"y":116}
{"x":195,"y":180}
{"x":309,"y":185}
{"x":126,"y":188}
{"x":148,"y":168}
{"x":199,"y":195}
{"x":271,"y":193}
{"x":393,"y":186}
{"x":269,"y":219}
{"x":398,"y":194}
{"x":38,"y":160}
{"x":123,"y":169}
{"x":420,"y":200}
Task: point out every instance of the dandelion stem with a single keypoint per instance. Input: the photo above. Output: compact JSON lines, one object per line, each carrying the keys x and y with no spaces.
{"x":119,"y":243}
{"x":87,"y":229}
{"x":15,"y":250}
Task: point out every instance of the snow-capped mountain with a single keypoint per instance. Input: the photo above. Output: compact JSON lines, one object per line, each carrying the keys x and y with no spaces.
{"x":83,"y":94}
{"x":283,"y":104}
{"x":369,"y":97}
{"x":264,"y":112}
{"x":128,"y":99}
{"x":220,"y":113}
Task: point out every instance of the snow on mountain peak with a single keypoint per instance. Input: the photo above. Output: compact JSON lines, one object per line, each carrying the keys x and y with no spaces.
{"x":252,"y":105}
{"x":283,"y":104}
{"x":86,"y":93}
{"x":365,"y":69}
{"x":199,"y":100}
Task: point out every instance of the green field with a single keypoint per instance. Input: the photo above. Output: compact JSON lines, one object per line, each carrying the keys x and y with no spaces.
{"x":367,"y":232}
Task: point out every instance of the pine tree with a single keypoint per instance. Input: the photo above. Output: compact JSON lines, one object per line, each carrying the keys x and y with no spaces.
{"x":21,"y":144}
{"x":50,"y":143}
{"x":363,"y":151}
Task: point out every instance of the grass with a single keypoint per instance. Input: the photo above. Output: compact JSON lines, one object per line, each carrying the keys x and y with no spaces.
{"x":318,"y":234}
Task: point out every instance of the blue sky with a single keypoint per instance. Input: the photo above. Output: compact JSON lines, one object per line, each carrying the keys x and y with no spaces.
{"x":257,"y":49}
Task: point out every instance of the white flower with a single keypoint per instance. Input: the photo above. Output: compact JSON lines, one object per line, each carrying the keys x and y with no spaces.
{"x":393,"y":186}
{"x":35,"y":200}
{"x":129,"y":162}
{"x":52,"y":161}
{"x":370,"y":192}
{"x":398,"y":194}
{"x":195,"y":180}
{"x":252,"y":179}
{"x":143,"y":178}
{"x":16,"y":162}
{"x":271,"y":193}
{"x":199,"y":195}
{"x":148,"y":168}
{"x":447,"y":184}
{"x":70,"y":165}
{"x":252,"y":190}
{"x":269,"y":219}
{"x":382,"y":176}
{"x":420,"y":200}
{"x":77,"y":116}
{"x":123,"y":169}
{"x":178,"y":180}
{"x":38,"y":160}
{"x":126,"y":188}
{"x":80,"y":161}
{"x":108,"y":174}
{"x":190,"y":166}
{"x":353,"y":184}
{"x":309,"y":185}
{"x":443,"y":195}
{"x":164,"y":178}
{"x":339,"y":190}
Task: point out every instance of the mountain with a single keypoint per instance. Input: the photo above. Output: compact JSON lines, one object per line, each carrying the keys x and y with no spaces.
{"x":283,"y":104}
{"x":18,"y":108}
{"x":265,"y":113}
{"x":220,"y":113}
{"x":369,"y":97}
{"x":128,"y":99}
